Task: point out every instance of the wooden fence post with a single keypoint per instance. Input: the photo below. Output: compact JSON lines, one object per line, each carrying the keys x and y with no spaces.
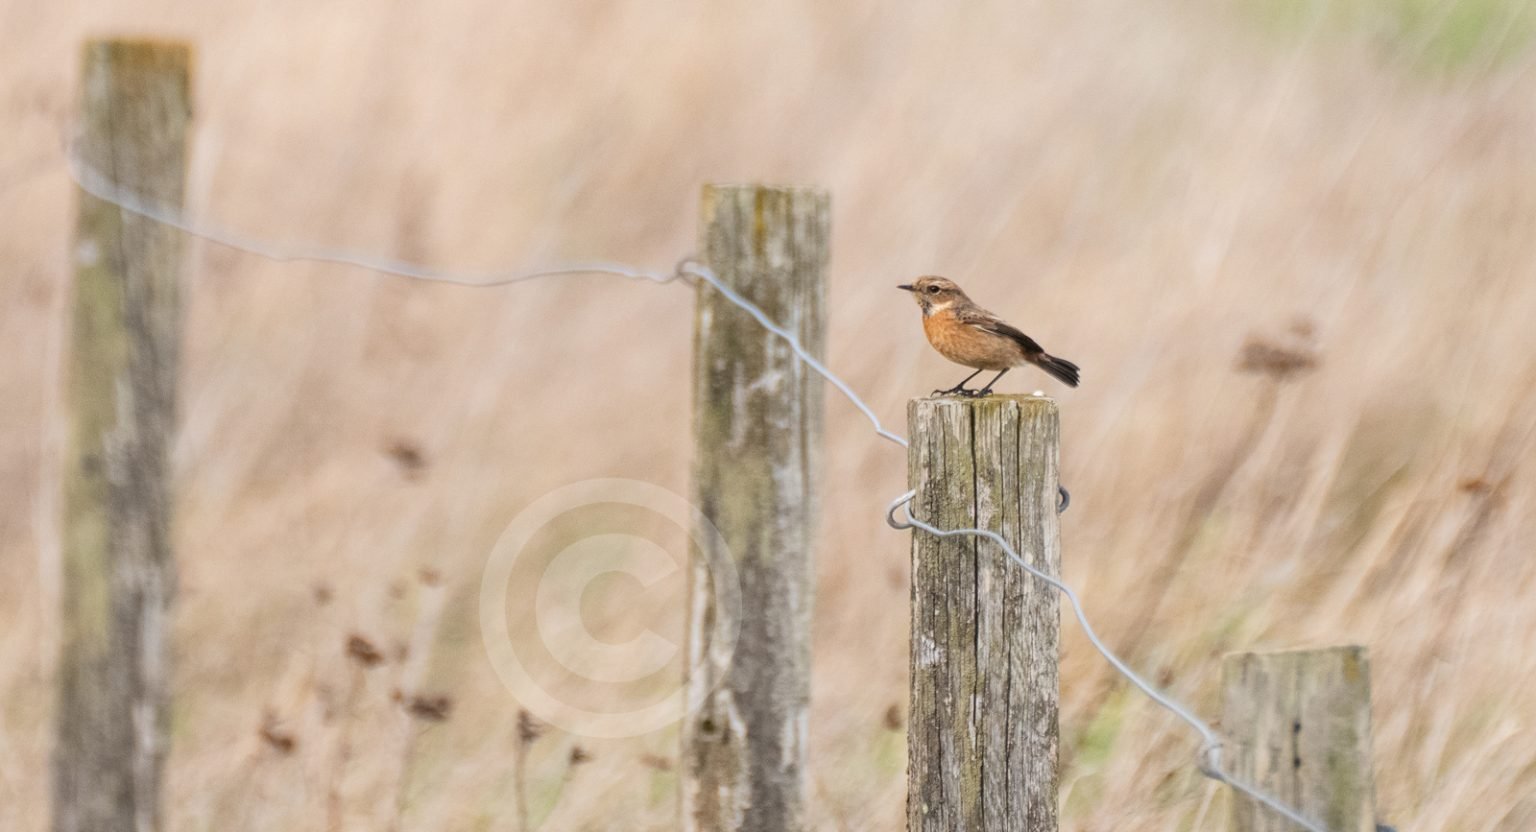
{"x":118,"y":569}
{"x":982,"y":746}
{"x":757,"y":426}
{"x":1298,"y":726}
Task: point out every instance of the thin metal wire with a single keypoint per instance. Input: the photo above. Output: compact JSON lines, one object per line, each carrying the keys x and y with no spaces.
{"x":704,"y":273}
{"x":904,"y":502}
{"x":1270,"y":802}
{"x":1210,"y":751}
{"x":93,"y":183}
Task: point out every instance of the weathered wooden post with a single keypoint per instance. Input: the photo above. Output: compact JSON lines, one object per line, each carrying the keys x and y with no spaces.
{"x":982,"y":746}
{"x":1298,"y":726}
{"x":118,"y":570}
{"x":757,"y":425}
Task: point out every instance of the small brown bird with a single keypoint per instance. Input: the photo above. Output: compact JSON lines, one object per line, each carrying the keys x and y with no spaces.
{"x":967,"y":334}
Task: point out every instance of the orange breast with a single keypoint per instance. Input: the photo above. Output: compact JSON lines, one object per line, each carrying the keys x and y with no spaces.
{"x":967,"y":345}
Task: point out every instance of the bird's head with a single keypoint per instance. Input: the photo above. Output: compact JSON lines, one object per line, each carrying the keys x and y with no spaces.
{"x":933,"y":293}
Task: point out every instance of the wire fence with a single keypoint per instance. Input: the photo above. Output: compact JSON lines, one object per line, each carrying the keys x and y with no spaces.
{"x":688,"y":271}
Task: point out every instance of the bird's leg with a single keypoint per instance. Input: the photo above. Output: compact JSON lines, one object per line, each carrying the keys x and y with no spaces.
{"x":988,"y":389}
{"x":958,"y":388}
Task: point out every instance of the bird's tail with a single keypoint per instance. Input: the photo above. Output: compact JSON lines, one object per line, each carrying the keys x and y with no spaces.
{"x":1061,"y":368}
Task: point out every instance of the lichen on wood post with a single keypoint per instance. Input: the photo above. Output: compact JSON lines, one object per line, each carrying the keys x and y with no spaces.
{"x":1298,"y":726}
{"x":757,"y":425}
{"x":118,"y":570}
{"x":982,"y":742}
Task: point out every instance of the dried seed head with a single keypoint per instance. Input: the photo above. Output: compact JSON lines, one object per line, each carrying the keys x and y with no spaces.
{"x":528,"y":728}
{"x":1280,"y":362}
{"x":272,"y":733}
{"x":655,"y":761}
{"x":1476,"y":485}
{"x":434,"y":708}
{"x":362,"y":651}
{"x":408,"y":456}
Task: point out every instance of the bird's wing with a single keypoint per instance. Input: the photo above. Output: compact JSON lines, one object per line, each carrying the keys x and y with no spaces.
{"x":987,"y":322}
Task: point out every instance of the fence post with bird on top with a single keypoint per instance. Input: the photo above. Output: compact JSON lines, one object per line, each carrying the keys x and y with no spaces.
{"x":1298,"y":726}
{"x":982,"y":742}
{"x":757,"y":413}
{"x":118,"y":570}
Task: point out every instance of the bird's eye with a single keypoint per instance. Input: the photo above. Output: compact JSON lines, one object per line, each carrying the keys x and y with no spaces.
{"x":933,"y":290}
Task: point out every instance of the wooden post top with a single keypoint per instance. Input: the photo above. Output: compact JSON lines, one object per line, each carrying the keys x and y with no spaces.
{"x":1358,"y":651}
{"x":990,"y":397}
{"x":1025,"y":405}
{"x":141,"y":50}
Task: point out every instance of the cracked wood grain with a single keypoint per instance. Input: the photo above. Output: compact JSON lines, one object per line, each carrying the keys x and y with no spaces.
{"x":982,"y":742}
{"x":757,"y":424}
{"x":1298,"y":726}
{"x":119,"y":575}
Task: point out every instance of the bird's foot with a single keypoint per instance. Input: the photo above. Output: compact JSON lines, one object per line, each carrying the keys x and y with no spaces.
{"x":954,"y":391}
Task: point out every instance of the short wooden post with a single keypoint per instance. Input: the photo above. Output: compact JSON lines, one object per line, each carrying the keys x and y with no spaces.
{"x":118,"y":570}
{"x":982,"y":747}
{"x":757,"y":426}
{"x":1298,"y":726}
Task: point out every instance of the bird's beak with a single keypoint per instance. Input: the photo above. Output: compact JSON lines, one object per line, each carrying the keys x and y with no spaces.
{"x":906,"y":287}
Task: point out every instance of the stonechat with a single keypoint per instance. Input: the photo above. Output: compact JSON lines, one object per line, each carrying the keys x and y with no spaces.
{"x":967,"y":334}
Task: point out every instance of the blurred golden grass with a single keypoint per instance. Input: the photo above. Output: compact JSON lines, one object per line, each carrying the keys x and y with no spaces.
{"x":1145,"y":187}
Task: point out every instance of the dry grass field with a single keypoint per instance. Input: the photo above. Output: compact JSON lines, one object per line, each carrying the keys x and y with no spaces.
{"x":1290,"y":243}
